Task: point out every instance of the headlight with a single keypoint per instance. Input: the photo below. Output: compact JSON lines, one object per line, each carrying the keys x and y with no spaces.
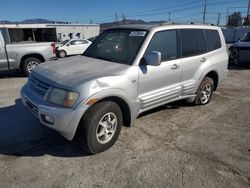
{"x":62,"y":97}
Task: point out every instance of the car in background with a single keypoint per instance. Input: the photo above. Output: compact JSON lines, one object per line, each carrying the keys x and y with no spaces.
{"x":240,"y":51}
{"x":73,"y":47}
{"x":24,"y":56}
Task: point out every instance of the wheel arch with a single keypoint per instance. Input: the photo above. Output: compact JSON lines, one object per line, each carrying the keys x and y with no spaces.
{"x":124,"y":106}
{"x":34,"y":55}
{"x":63,"y":51}
{"x":213,"y":75}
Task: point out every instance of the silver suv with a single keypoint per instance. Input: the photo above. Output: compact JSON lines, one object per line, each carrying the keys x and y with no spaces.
{"x":126,"y":71}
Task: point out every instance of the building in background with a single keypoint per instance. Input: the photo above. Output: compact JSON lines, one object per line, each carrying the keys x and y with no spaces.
{"x":47,"y":32}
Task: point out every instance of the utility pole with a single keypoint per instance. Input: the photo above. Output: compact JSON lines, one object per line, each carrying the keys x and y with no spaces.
{"x":116,"y":18}
{"x":248,"y":8}
{"x":204,"y":12}
{"x":169,"y":16}
{"x":218,"y":21}
{"x":90,"y":21}
{"x":123,"y":17}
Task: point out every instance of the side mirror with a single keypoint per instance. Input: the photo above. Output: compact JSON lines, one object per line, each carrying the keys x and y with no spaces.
{"x":153,"y":58}
{"x":68,"y":45}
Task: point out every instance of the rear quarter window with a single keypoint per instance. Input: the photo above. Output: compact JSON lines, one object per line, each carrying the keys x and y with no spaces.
{"x":213,"y":40}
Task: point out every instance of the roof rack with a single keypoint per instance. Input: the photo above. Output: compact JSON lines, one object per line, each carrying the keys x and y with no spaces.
{"x":186,"y":23}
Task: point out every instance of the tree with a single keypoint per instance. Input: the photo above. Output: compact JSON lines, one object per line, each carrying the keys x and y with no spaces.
{"x":234,"y":20}
{"x":246,"y":21}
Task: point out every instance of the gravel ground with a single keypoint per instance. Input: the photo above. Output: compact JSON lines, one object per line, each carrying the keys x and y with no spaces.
{"x":176,"y":145}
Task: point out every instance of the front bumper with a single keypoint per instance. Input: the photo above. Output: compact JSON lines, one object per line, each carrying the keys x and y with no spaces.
{"x":66,"y":120}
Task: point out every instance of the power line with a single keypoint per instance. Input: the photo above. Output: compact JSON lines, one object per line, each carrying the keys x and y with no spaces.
{"x":166,"y":8}
{"x":166,"y":12}
{"x":181,"y":7}
{"x":190,"y":15}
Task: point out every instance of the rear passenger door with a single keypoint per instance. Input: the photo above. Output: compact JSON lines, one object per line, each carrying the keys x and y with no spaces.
{"x":160,"y":84}
{"x":83,"y":45}
{"x":193,"y":53}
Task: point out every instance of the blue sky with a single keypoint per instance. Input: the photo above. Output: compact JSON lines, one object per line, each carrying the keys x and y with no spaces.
{"x":82,"y":11}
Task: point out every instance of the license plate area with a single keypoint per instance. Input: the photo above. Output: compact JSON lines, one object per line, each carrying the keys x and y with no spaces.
{"x":33,"y":108}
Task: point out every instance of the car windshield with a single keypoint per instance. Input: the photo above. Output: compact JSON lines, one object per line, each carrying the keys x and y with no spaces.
{"x":246,"y":37}
{"x":64,"y":42}
{"x":117,"y":45}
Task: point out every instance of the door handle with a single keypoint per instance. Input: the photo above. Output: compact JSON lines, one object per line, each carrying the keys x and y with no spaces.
{"x":175,"y":66}
{"x":203,"y":59}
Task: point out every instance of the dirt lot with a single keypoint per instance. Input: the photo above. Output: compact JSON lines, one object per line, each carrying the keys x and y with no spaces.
{"x":173,"y":146}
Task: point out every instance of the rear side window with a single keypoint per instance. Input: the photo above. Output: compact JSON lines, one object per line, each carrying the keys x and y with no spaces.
{"x":201,"y":41}
{"x":166,"y":43}
{"x":213,"y":39}
{"x":192,"y":42}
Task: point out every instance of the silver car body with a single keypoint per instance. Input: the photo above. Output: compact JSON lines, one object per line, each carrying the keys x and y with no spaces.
{"x":12,"y":55}
{"x":136,"y":88}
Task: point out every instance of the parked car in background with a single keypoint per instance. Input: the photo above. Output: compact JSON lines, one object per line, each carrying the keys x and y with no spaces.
{"x":24,"y":56}
{"x":126,"y":71}
{"x":73,"y":47}
{"x":240,"y":51}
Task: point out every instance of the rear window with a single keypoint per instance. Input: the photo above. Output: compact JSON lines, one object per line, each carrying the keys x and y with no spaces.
{"x":213,"y":40}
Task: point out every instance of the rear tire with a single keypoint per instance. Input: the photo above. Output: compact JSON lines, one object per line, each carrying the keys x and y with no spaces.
{"x":99,"y":127}
{"x":29,"y":64}
{"x":204,"y":92}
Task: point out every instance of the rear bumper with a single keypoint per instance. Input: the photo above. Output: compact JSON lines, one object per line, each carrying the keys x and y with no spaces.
{"x":65,"y":120}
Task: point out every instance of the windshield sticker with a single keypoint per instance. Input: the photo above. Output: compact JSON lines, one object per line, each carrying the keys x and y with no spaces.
{"x":137,"y":34}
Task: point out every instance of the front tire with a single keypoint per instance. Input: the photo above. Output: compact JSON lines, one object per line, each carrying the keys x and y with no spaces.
{"x":234,"y":57}
{"x":62,"y":54}
{"x":100,"y":127}
{"x":29,"y":64}
{"x":204,"y":92}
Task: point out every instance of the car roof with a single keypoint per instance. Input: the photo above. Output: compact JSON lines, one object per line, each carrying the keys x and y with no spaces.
{"x":148,"y":27}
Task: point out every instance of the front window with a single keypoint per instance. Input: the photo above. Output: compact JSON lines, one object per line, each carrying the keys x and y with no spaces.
{"x":246,"y":37}
{"x":117,"y":45}
{"x":64,"y":42}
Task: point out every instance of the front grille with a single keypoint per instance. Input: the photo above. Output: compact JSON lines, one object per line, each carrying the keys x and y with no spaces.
{"x":38,"y":86}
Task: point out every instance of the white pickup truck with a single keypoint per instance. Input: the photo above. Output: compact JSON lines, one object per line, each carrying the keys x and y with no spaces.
{"x":24,"y":56}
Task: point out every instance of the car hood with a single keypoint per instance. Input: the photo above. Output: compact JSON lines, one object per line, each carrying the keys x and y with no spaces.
{"x":241,"y":44}
{"x":73,"y":71}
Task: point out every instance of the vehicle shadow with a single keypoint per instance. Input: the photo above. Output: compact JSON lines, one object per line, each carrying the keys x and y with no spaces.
{"x":21,"y":134}
{"x":241,"y":66}
{"x":12,"y":74}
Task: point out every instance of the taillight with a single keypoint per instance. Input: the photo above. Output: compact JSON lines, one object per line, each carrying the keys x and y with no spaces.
{"x":53,"y":45}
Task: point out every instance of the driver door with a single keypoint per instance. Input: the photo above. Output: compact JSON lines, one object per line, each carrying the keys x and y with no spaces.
{"x":161,"y":84}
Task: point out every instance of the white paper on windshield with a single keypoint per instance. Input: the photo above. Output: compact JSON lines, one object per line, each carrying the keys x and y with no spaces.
{"x":137,"y":34}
